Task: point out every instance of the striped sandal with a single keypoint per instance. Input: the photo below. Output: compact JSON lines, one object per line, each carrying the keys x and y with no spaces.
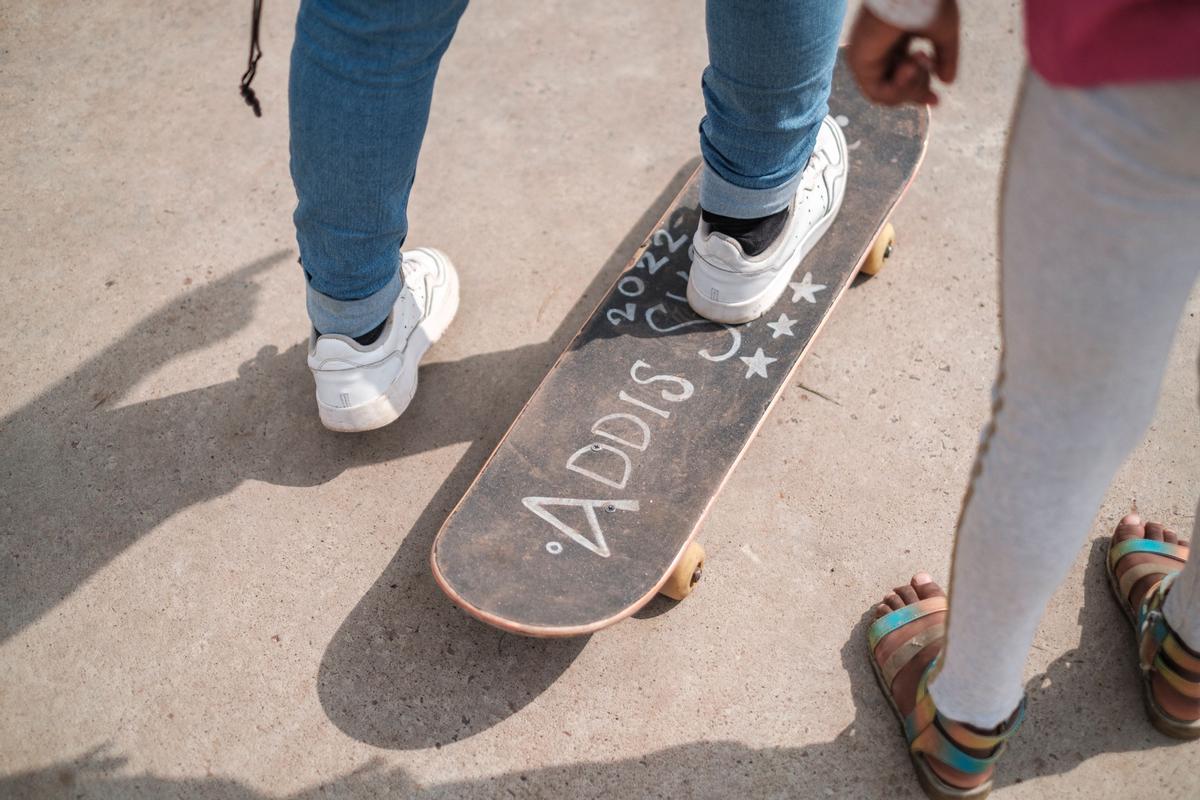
{"x":929,"y":734}
{"x":1159,"y":649}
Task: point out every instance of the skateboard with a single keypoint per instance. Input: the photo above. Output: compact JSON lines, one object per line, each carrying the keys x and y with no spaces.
{"x":590,"y":504}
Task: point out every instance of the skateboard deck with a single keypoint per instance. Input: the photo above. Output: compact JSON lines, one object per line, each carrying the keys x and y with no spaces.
{"x":591,"y":500}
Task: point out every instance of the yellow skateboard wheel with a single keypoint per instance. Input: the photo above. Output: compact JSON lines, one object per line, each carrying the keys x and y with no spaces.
{"x":686,"y":573}
{"x":881,"y":250}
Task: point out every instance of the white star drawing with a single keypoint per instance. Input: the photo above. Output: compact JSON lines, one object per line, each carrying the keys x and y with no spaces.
{"x":783,"y":327}
{"x":806,"y":289}
{"x":757,"y":364}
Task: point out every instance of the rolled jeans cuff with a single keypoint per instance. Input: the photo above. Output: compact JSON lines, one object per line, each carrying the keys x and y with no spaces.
{"x":719,"y":196}
{"x":353,"y":317}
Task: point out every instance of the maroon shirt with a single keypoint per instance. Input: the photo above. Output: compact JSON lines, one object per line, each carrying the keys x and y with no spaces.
{"x":1091,"y":42}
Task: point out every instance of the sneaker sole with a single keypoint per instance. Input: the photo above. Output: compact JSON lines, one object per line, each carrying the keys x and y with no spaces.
{"x":388,"y":407}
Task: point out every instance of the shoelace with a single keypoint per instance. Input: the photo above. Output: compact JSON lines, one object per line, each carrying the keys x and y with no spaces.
{"x":252,"y":61}
{"x":817,"y":163}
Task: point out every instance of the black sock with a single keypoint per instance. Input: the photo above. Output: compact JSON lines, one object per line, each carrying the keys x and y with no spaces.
{"x":754,"y":235}
{"x":367,"y":338}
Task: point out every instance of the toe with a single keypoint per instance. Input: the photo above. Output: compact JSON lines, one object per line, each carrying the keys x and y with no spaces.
{"x":893,"y":601}
{"x":907,"y":593}
{"x":882,"y":610}
{"x":926,"y":587}
{"x":1170,"y":536}
{"x":1154,"y":531}
{"x":1129,"y":528}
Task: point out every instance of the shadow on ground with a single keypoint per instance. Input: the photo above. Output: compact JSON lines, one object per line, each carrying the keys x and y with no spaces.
{"x":86,"y":477}
{"x":1088,"y":702}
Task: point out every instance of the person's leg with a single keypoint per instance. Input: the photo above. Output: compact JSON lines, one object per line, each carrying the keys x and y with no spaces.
{"x":1101,"y":199}
{"x":766,"y":90}
{"x":1101,"y":195}
{"x":765,"y":137}
{"x":361,"y":83}
{"x":362,"y":77}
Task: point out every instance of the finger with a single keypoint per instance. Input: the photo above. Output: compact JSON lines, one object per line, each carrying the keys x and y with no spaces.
{"x":871,"y":73}
{"x":924,"y":60}
{"x":879,"y":90}
{"x":945,"y":49}
{"x":897,"y":79}
{"x":893,"y":94}
{"x":906,"y":72}
{"x":913,"y":81}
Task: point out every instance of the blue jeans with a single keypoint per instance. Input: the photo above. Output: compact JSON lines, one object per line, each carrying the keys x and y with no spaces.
{"x":361,"y":83}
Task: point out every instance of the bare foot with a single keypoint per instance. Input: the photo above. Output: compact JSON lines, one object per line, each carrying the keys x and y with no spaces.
{"x":1173,"y":702}
{"x":905,"y":683}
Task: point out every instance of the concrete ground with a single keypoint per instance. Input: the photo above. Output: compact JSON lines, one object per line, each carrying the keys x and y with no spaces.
{"x":206,"y":595}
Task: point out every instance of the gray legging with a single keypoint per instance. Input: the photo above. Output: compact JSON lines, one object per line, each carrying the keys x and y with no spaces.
{"x":1099,"y":223}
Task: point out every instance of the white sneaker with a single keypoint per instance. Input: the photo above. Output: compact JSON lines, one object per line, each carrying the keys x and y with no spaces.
{"x":360,"y":388}
{"x":726,"y":285}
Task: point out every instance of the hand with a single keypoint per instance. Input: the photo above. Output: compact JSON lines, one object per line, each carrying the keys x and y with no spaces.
{"x":886,"y":68}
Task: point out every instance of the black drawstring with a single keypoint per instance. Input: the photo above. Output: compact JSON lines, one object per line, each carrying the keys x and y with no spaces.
{"x":252,"y":61}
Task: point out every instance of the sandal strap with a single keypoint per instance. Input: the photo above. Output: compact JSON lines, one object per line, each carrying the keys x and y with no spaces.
{"x":1185,"y":686}
{"x":934,"y":736}
{"x":1159,"y":648}
{"x":1151,"y":546}
{"x":1135,"y":573}
{"x":1179,"y":653}
{"x":1149,"y":613}
{"x":899,"y":659}
{"x":902,"y":616}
